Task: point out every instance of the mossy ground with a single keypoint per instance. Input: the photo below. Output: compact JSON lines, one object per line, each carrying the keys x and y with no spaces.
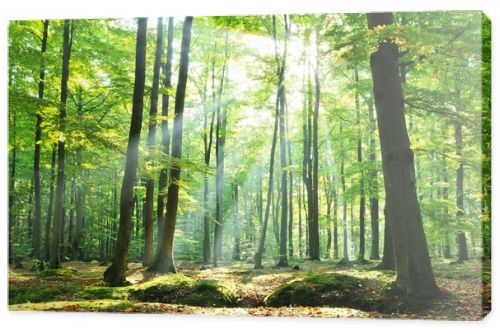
{"x":318,"y":289}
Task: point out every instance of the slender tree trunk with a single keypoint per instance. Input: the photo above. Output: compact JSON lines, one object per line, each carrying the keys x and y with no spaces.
{"x":260,"y":250}
{"x":299,"y":203}
{"x":413,"y":265}
{"x":236,"y":218}
{"x":76,"y":251}
{"x":361,"y":255}
{"x":165,"y":135}
{"x":345,"y":253}
{"x":164,"y":261}
{"x":55,"y":258}
{"x":115,"y":274}
{"x":48,"y":223}
{"x":12,"y":185}
{"x":461,"y":239}
{"x":283,"y":254}
{"x":335,"y":223}
{"x":314,"y":253}
{"x":220,"y":140}
{"x":151,"y":142}
{"x":290,"y":193}
{"x":373,"y":187}
{"x":208,"y":141}
{"x":36,"y":156}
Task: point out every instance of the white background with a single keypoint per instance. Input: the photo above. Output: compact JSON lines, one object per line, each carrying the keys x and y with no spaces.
{"x":21,"y":322}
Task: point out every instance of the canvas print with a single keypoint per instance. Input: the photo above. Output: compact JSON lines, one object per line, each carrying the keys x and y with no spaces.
{"x":326,"y":165}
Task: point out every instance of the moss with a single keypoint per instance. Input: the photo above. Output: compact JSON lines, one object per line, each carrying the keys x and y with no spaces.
{"x":36,"y":294}
{"x":60,"y":272}
{"x":210,"y":293}
{"x":178,"y":290}
{"x":318,"y":289}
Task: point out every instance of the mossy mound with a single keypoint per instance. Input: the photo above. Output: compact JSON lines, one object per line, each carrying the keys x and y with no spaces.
{"x":181,"y":290}
{"x":319,"y":290}
{"x":37,"y":294}
{"x":210,"y":293}
{"x":60,"y":272}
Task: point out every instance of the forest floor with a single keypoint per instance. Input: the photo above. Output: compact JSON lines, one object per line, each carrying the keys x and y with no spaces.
{"x":315,"y":289}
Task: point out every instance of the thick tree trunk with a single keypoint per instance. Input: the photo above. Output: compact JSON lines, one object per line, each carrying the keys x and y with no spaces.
{"x":115,"y":274}
{"x":164,"y":261}
{"x":55,"y":260}
{"x":413,"y":265}
{"x":151,"y":142}
{"x":165,"y":136}
{"x":36,"y":155}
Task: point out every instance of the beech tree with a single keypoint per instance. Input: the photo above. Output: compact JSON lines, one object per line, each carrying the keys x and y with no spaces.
{"x":164,"y":261}
{"x":115,"y":275}
{"x":413,"y":265}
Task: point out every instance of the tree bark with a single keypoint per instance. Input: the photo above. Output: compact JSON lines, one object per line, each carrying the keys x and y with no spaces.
{"x":165,"y":135}
{"x":115,"y":274}
{"x":164,"y":261}
{"x":237,"y":232}
{"x":388,"y":262}
{"x":48,"y":223}
{"x":36,"y":155}
{"x":415,"y":278}
{"x":283,"y":254}
{"x":220,"y":141}
{"x":151,"y":142}
{"x":314,"y":252}
{"x":55,"y":260}
{"x":373,"y":187}
{"x":461,"y":239}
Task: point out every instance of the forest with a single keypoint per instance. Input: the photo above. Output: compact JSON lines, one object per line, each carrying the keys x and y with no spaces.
{"x":324,"y":165}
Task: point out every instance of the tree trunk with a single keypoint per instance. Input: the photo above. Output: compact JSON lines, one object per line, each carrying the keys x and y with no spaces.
{"x":151,"y":142}
{"x":208,"y":141}
{"x":48,"y":223}
{"x":220,"y":140}
{"x":388,"y":262}
{"x":345,"y":251}
{"x":461,"y":239}
{"x":79,"y":193}
{"x":413,"y":265}
{"x":373,"y":187}
{"x":283,"y":254}
{"x":335,"y":223}
{"x":361,"y":255}
{"x":237,"y":232}
{"x":55,"y":260}
{"x":165,"y":136}
{"x":164,"y":261}
{"x":314,"y":231}
{"x":36,"y":156}
{"x":115,"y":274}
